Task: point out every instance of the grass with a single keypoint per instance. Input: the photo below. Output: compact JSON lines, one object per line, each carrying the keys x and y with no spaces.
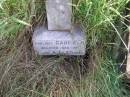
{"x":24,"y":74}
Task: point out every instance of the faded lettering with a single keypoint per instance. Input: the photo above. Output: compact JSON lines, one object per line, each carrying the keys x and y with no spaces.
{"x":61,"y":46}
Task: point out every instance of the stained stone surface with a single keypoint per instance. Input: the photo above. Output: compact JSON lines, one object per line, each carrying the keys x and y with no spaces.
{"x":46,"y":42}
{"x":59,"y":14}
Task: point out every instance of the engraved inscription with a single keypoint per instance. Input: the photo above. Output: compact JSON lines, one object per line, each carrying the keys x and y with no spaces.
{"x":61,"y":46}
{"x":46,"y":42}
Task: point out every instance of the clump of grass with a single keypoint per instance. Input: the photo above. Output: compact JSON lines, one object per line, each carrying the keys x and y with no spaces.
{"x":13,"y":17}
{"x":22,"y":73}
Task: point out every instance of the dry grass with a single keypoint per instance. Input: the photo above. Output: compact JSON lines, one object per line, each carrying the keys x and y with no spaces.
{"x":25,"y":74}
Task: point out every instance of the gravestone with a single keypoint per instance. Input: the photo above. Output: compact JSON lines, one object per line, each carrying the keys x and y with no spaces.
{"x":59,"y":42}
{"x":59,"y":14}
{"x":60,"y":37}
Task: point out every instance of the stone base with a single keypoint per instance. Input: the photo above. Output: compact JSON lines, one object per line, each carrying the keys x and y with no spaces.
{"x":47,"y":42}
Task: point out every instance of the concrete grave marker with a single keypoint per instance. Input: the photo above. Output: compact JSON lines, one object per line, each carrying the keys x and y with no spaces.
{"x":60,"y":37}
{"x":54,"y":42}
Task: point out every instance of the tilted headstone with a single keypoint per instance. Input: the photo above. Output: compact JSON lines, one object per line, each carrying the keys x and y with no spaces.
{"x":60,"y":37}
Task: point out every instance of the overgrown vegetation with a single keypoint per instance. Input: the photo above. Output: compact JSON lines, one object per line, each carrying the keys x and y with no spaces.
{"x":25,"y":74}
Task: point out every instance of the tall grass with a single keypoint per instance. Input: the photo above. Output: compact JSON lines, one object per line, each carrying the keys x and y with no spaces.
{"x":27,"y":75}
{"x":13,"y":17}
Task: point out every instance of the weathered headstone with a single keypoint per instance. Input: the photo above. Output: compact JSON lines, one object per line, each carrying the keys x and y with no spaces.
{"x":59,"y":43}
{"x":60,"y":37}
{"x":59,"y":14}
